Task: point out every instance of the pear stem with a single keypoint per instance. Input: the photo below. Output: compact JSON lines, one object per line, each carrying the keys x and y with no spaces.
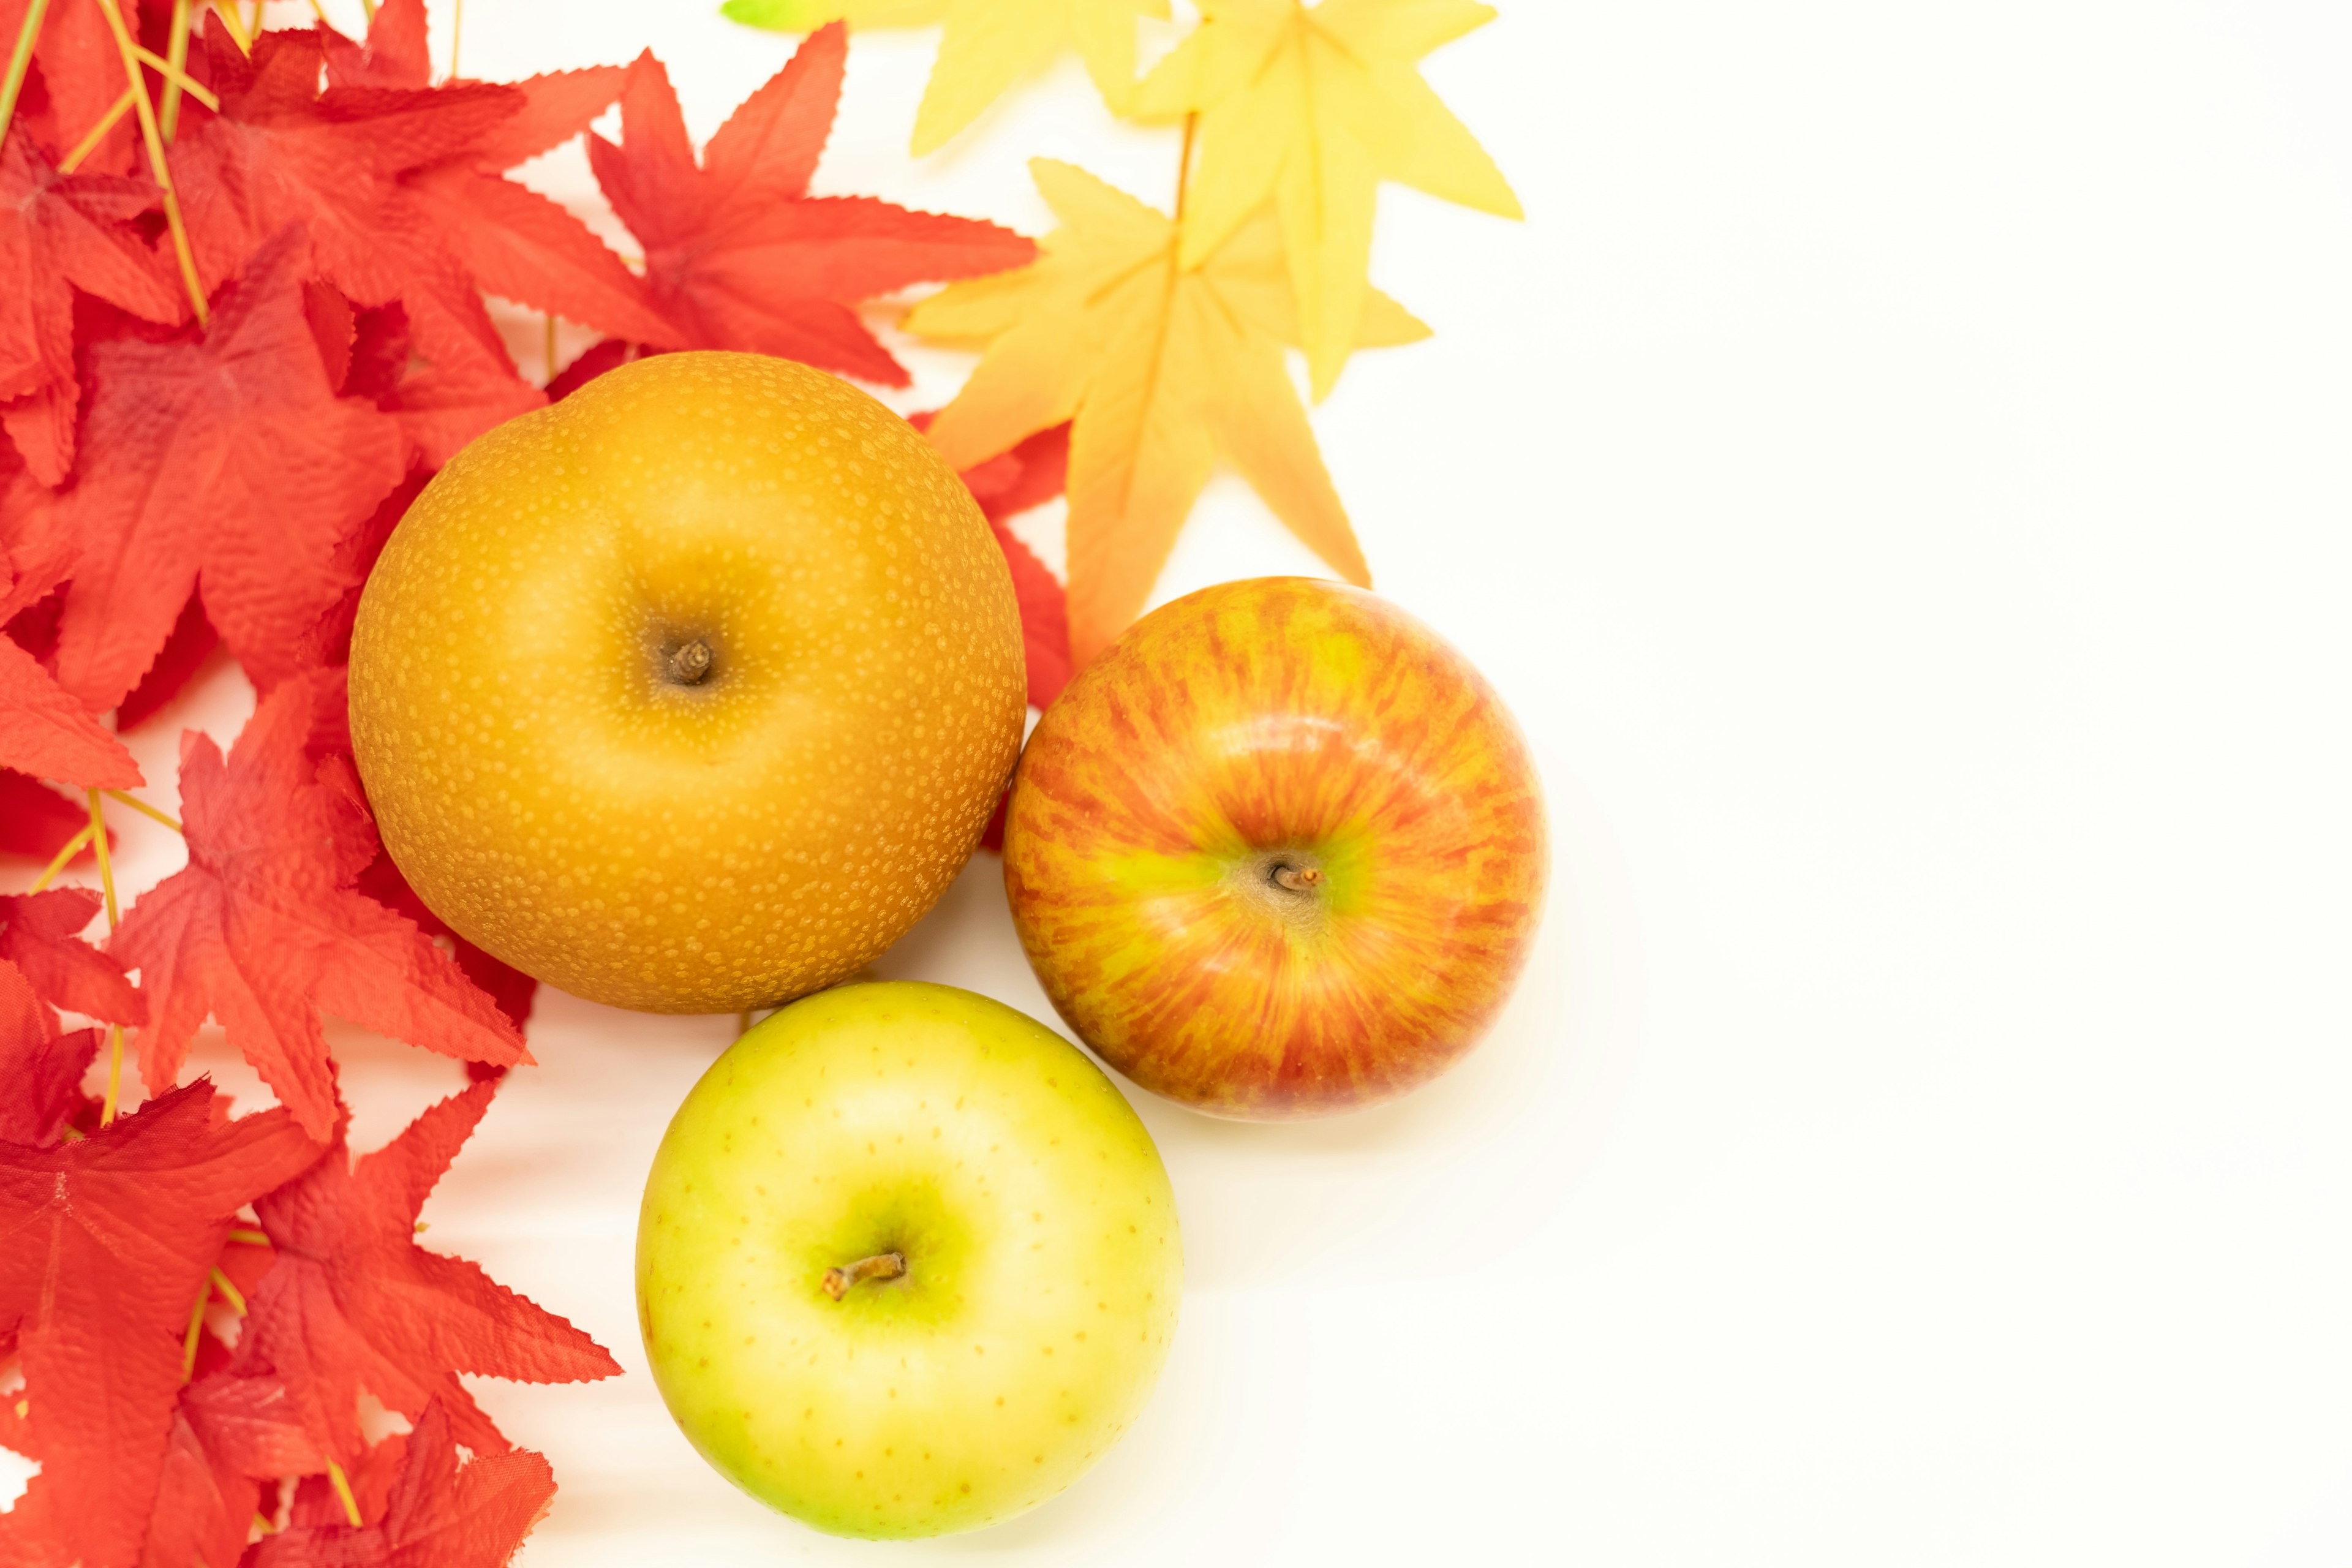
{"x":881,"y":1266}
{"x":689,"y":664}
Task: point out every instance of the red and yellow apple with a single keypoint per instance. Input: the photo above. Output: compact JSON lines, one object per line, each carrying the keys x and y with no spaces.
{"x":1277,"y":852}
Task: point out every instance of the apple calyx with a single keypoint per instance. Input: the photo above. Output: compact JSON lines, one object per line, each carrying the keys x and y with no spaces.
{"x":689,"y":664}
{"x":881,"y":1266}
{"x":1288,"y":883}
{"x":1296,"y":879}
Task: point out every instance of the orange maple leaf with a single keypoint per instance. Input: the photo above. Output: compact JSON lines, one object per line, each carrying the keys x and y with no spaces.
{"x":1163,"y":369}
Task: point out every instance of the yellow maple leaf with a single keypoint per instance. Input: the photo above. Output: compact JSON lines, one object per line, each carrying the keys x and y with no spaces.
{"x":808,"y":15}
{"x":1164,"y":369}
{"x":988,"y":46}
{"x":1314,"y":107}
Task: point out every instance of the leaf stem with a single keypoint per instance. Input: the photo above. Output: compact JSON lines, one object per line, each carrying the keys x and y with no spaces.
{"x":336,"y":1479}
{"x":106,"y":122}
{"x":228,"y":1290}
{"x":74,"y":845}
{"x":228,"y":12}
{"x":113,"y":1075}
{"x":19,"y":61}
{"x":105,"y":861}
{"x":113,"y":918}
{"x":175,"y":73}
{"x":196,"y":1328}
{"x":1184,"y":164}
{"x":141,"y":807}
{"x":176,"y":81}
{"x":154,"y":136}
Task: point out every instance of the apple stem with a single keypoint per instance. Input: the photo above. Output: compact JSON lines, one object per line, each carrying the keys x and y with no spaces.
{"x":1297,"y":879}
{"x":689,"y":664}
{"x":881,"y":1266}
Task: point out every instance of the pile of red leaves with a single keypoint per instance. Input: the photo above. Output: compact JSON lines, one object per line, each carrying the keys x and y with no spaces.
{"x":242,"y":320}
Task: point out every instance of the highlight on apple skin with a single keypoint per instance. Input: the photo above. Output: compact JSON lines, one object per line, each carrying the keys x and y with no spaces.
{"x":907,"y":1262}
{"x":1277,"y":852}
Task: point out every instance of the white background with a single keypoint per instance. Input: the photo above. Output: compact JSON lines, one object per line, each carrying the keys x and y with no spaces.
{"x":1899,"y":476}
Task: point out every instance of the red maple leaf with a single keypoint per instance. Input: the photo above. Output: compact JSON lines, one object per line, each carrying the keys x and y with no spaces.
{"x":511,"y":240}
{"x":213,"y":1483}
{"x":263,"y":931}
{"x":191,"y":643}
{"x":317,"y":1505}
{"x":36,"y":821}
{"x":40,"y":934}
{"x":228,"y":461}
{"x":330,"y":640}
{"x":352,"y":1301}
{"x":517,"y":244}
{"x":36,"y":553}
{"x":606,"y":353}
{"x":104,"y":1246}
{"x":40,"y":1069}
{"x":509,"y":987}
{"x":203,"y":1508}
{"x":76,"y":79}
{"x":1028,"y":475}
{"x":250,"y":1425}
{"x":280,"y":152}
{"x":439,"y":407}
{"x":739,"y":255}
{"x":45,"y":733}
{"x":437,"y":1514}
{"x":60,"y":233}
{"x":1045,"y":618}
{"x":394,"y":55}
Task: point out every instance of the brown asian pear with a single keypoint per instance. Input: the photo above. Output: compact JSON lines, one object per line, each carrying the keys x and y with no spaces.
{"x":692,"y":691}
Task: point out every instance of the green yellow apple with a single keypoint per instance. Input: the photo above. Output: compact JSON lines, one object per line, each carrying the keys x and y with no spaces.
{"x":1278,"y":851}
{"x":907,"y":1262}
{"x":690,"y":692}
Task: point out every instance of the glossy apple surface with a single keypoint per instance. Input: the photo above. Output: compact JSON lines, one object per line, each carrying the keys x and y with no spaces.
{"x":691,"y":693}
{"x":907,"y":1263}
{"x":1278,"y":852}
